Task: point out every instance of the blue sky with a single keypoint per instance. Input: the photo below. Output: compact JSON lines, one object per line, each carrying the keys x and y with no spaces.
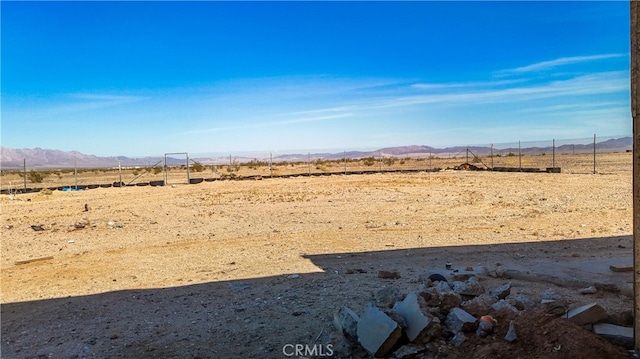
{"x":145,"y":78}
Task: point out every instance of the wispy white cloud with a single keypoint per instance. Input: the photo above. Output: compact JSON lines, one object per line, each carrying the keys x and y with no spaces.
{"x":266,"y":124}
{"x":106,"y":97}
{"x":464,"y":85}
{"x":545,"y":65}
{"x":575,"y":106}
{"x":593,"y":84}
{"x":72,"y":104}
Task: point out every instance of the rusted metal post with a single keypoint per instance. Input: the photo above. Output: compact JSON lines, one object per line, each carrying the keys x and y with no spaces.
{"x":635,"y":115}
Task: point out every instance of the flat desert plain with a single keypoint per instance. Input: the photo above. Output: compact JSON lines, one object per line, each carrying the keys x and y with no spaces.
{"x":230,"y":269}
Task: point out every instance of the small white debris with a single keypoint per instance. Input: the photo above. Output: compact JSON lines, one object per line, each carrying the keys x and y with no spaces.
{"x":588,"y":290}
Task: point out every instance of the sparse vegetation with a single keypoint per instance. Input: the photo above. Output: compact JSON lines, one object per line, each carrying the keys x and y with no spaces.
{"x":369,"y":161}
{"x":197,"y":167}
{"x":389,"y":161}
{"x":35,"y":177}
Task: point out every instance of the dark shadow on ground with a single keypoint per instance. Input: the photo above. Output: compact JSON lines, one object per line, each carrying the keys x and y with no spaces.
{"x":251,"y":318}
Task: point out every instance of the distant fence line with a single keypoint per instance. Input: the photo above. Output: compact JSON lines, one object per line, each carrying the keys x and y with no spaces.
{"x":569,"y":155}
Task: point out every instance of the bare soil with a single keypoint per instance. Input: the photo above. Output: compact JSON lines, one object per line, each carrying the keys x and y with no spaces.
{"x":242,"y":268}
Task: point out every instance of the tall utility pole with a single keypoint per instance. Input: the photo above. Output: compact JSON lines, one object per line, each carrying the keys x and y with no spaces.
{"x":635,"y":115}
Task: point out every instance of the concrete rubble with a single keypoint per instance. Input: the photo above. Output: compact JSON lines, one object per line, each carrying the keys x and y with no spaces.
{"x":346,"y":320}
{"x":502,"y":291}
{"x":387,"y":296}
{"x":377,"y":333}
{"x":511,"y":335}
{"x":587,"y":314}
{"x":471,"y":287}
{"x":460,"y":321}
{"x":503,"y":304}
{"x":622,"y":336}
{"x":421,"y":326}
{"x":588,"y":290}
{"x":435,"y":315}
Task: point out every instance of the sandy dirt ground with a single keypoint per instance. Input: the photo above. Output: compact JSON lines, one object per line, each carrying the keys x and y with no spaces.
{"x":243,"y":268}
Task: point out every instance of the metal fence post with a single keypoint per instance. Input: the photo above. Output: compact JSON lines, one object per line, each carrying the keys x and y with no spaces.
{"x":520,"y":156}
{"x":24,"y":169}
{"x":553,"y":155}
{"x":594,"y":153}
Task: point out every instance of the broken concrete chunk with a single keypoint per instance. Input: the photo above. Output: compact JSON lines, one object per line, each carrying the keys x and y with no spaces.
{"x":431,"y":296}
{"x":346,"y":321}
{"x":448,"y":298}
{"x":588,"y":290}
{"x":441,"y":296}
{"x":587,"y":314}
{"x":622,"y":336}
{"x":421,"y":327}
{"x":443,"y":287}
{"x":551,"y":294}
{"x":502,"y":291}
{"x":511,"y":335}
{"x":377,"y":333}
{"x":484,"y":301}
{"x":503,"y":304}
{"x":521,"y":301}
{"x":470,"y":287}
{"x":386,"y":297}
{"x":553,"y":303}
{"x":458,"y":339}
{"x":459,"y":320}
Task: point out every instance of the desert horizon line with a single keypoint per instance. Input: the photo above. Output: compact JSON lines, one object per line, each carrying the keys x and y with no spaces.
{"x":50,"y":158}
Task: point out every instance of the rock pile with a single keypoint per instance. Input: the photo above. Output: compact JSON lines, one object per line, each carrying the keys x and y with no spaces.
{"x":439,"y":314}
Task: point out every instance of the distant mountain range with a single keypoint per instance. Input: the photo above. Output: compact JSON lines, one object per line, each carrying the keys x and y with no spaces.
{"x":612,"y":145}
{"x":38,"y":158}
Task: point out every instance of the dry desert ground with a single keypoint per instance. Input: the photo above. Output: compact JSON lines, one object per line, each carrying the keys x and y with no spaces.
{"x":238,"y":269}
